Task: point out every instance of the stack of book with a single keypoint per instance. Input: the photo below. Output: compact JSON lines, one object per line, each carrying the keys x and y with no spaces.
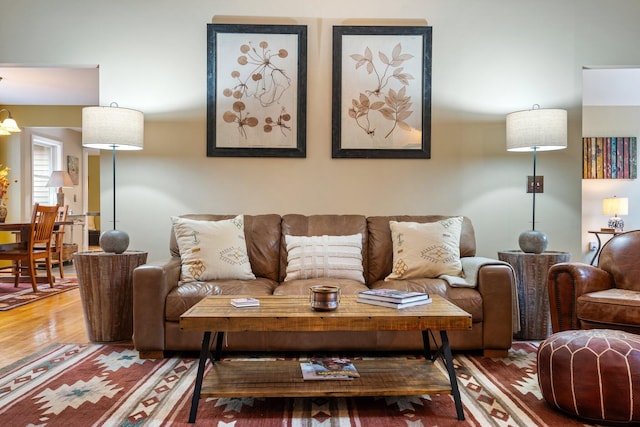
{"x":331,"y":368}
{"x":393,"y":298}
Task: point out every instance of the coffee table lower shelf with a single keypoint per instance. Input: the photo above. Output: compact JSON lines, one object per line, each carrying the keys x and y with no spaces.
{"x":283,"y":378}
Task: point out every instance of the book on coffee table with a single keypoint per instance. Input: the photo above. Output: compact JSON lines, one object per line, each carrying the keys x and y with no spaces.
{"x":393,"y":295}
{"x":245,"y":302}
{"x":397,"y":305}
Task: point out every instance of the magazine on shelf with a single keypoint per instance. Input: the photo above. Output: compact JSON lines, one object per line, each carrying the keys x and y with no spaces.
{"x":332,"y":368}
{"x":392,"y":295}
{"x":245,"y":302}
{"x":397,"y":305}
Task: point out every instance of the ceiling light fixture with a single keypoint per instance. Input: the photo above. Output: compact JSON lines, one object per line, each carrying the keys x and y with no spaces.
{"x":9,"y":125}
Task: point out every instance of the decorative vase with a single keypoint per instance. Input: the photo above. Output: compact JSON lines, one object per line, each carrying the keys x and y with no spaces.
{"x":533,"y":241}
{"x":3,"y":212}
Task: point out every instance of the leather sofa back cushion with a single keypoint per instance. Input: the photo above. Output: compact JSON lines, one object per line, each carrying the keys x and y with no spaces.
{"x":619,"y":257}
{"x":319,"y":225}
{"x":380,"y":249}
{"x":262,"y":235}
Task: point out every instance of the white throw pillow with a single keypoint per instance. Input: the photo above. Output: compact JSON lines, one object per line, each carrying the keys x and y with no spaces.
{"x":212,"y":250}
{"x":310,"y":257}
{"x":426,"y":250}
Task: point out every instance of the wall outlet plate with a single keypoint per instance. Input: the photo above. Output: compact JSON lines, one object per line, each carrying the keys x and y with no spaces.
{"x":539,"y":184}
{"x":593,"y":246}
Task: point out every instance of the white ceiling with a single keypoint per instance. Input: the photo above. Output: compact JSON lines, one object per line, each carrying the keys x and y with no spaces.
{"x":46,"y":85}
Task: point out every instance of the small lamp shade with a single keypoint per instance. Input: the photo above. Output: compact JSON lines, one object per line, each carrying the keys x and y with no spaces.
{"x":112,"y":128}
{"x":60,"y":179}
{"x":615,"y":206}
{"x":542,"y":129}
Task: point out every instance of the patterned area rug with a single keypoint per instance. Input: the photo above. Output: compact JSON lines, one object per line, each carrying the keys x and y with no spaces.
{"x":12,"y":297}
{"x":91,"y":384}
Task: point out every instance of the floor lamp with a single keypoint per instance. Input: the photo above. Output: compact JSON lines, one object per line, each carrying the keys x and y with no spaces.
{"x":538,"y":129}
{"x":113,"y":128}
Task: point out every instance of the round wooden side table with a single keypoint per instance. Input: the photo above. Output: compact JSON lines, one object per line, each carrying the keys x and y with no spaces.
{"x":533,"y":294}
{"x":106,"y":290}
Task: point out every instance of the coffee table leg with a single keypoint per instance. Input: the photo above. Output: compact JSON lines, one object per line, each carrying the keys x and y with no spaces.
{"x":204,"y":354}
{"x":448,"y":360}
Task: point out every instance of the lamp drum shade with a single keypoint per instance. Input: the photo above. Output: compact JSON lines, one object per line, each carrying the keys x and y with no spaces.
{"x":543,"y":129}
{"x":112,"y":128}
{"x":615,"y":206}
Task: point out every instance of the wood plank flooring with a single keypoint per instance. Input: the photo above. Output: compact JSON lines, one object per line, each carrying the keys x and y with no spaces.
{"x":27,"y":329}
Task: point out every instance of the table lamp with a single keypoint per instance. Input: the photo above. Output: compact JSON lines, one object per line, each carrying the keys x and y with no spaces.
{"x":538,"y":129}
{"x":60,"y":179}
{"x":113,"y":128}
{"x":615,"y":206}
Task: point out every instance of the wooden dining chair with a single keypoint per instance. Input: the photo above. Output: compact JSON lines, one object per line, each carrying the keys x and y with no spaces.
{"x":57,"y":243}
{"x":37,"y":246}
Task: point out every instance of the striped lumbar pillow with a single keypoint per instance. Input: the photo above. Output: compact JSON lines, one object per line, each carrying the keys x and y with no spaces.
{"x":310,"y":257}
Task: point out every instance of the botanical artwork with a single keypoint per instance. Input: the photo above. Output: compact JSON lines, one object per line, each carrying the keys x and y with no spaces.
{"x":393,"y":105}
{"x":383,"y":91}
{"x":609,"y":158}
{"x":258,"y":90}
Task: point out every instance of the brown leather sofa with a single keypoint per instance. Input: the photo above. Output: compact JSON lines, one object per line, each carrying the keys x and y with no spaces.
{"x":606,"y":296}
{"x":159,"y":298}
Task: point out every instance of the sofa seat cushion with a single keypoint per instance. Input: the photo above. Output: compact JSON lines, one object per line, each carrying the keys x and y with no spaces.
{"x":183,"y":297}
{"x":301,"y":286}
{"x":611,"y":306}
{"x":468,"y":299}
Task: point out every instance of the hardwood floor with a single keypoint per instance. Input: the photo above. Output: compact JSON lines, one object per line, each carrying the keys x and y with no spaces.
{"x":27,"y":329}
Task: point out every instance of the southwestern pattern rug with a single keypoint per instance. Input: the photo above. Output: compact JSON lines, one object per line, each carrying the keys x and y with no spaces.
{"x":12,"y":297}
{"x":108,"y":385}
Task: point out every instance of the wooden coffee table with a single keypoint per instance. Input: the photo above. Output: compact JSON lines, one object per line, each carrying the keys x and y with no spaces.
{"x":378,"y":377}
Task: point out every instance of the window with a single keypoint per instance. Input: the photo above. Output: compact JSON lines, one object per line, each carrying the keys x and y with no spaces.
{"x":46,"y":157}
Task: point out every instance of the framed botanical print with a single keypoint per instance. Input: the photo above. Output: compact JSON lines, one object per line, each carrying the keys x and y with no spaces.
{"x":256,"y":90}
{"x":381,"y":92}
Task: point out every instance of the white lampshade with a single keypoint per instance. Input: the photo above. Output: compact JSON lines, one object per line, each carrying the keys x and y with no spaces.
{"x":112,"y":128}
{"x":615,"y":206}
{"x":542,"y":129}
{"x":60,"y":179}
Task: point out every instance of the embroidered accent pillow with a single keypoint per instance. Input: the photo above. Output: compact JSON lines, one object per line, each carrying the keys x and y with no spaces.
{"x":426,"y":250}
{"x":309,"y":257}
{"x":212,"y":250}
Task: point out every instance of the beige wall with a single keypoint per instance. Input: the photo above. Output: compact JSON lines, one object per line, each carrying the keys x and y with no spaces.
{"x":489,"y":58}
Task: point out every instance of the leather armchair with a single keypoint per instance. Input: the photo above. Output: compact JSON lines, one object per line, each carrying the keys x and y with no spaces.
{"x":606,"y":296}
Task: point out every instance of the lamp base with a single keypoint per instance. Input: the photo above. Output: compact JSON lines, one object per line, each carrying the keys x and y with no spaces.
{"x":114,"y":241}
{"x":533,"y":241}
{"x":617,"y":223}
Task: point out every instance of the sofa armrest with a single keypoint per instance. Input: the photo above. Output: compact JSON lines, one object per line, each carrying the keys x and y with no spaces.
{"x":566,"y":282}
{"x":496,"y":284}
{"x":151,"y":285}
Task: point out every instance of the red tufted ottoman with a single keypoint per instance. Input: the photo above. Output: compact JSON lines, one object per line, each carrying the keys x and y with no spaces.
{"x":593,"y":374}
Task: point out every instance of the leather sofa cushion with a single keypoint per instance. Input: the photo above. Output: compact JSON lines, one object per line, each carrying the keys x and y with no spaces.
{"x":262,"y":234}
{"x":184,"y":296}
{"x":611,"y":306}
{"x":301,"y":287}
{"x":380,"y":247}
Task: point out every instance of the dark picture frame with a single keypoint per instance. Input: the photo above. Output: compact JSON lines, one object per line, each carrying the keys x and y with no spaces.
{"x":256,"y":90}
{"x":381,"y":92}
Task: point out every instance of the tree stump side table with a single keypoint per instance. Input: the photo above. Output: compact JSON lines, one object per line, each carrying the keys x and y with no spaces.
{"x":106,"y":290}
{"x":533,"y":294}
